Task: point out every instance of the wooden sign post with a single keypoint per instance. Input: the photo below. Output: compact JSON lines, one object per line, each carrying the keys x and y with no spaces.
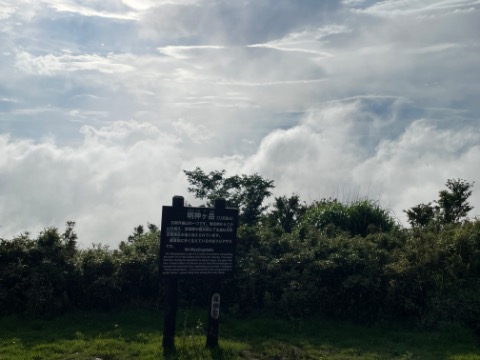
{"x":196,"y":243}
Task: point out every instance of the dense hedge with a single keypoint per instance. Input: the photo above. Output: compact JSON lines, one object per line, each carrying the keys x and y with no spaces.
{"x":380,"y":272}
{"x":50,"y":275}
{"x":429,"y":275}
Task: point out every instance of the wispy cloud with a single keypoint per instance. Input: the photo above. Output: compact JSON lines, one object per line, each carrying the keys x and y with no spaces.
{"x":35,"y":111}
{"x":143,"y":5}
{"x":8,"y":100}
{"x":406,"y":7}
{"x":52,"y":64}
{"x":185,"y":52}
{"x":6,"y":10}
{"x":71,"y":6}
{"x":269,"y":83}
{"x":310,"y":41}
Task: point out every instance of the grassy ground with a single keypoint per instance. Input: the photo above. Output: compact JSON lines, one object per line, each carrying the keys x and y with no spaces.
{"x":138,"y":335}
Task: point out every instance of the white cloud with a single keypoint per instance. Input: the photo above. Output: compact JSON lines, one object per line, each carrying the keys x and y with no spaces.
{"x":122,"y":173}
{"x":52,"y":64}
{"x":183,"y":52}
{"x":329,"y":155}
{"x":117,"y":178}
{"x":408,"y":7}
{"x":24,"y":9}
{"x":140,"y":5}
{"x":314,"y":158}
{"x":197,"y":134}
{"x":35,"y":111}
{"x":77,"y":7}
{"x":437,"y":48}
{"x":412,"y":168}
{"x":310,"y":41}
{"x":8,"y":100}
{"x":324,"y":97}
{"x":353,"y":2}
{"x":6,"y":10}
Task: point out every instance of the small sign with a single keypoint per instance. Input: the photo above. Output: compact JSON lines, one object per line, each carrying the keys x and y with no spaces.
{"x":215,"y":306}
{"x":197,"y":242}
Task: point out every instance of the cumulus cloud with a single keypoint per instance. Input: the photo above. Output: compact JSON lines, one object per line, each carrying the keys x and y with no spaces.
{"x":346,"y":150}
{"x":116,"y":179}
{"x":324,"y":97}
{"x":322,"y":146}
{"x":196,"y":133}
{"x":122,"y":173}
{"x":414,"y":167}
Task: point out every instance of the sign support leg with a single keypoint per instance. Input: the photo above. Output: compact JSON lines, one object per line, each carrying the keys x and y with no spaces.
{"x":171,"y":295}
{"x":170,"y":315}
{"x":213,"y":314}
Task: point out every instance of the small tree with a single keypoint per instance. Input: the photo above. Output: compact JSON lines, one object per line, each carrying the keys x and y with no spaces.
{"x":451,"y":207}
{"x":421,"y":215}
{"x":287,"y":212}
{"x":452,"y":203}
{"x":137,"y":233}
{"x":245,"y":192}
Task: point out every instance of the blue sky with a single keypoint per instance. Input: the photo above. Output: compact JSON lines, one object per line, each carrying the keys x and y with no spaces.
{"x":104,"y":103}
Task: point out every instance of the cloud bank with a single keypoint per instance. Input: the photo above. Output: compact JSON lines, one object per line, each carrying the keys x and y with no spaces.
{"x":103,"y":104}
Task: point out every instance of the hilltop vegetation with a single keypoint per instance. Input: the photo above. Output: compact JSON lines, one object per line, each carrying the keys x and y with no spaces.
{"x":329,"y":259}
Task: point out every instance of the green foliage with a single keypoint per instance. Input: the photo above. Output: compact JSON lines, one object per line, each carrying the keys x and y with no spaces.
{"x":100,"y":285}
{"x":245,"y":192}
{"x":424,"y":275}
{"x":421,"y":215}
{"x":361,"y":217}
{"x":331,"y":259}
{"x":453,"y":203}
{"x":137,"y":267}
{"x":37,"y":275}
{"x":452,"y":206}
{"x":286,"y":212}
{"x":48,"y":275}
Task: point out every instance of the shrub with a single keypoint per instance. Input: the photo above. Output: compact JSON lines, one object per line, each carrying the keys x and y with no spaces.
{"x":361,"y":217}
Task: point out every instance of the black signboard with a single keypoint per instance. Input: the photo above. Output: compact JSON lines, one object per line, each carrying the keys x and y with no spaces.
{"x":198,"y":242}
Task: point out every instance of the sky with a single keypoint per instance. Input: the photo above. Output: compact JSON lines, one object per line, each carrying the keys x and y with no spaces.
{"x":103,"y":104}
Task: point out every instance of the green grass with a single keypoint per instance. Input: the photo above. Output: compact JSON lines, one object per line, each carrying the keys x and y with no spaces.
{"x":138,"y":335}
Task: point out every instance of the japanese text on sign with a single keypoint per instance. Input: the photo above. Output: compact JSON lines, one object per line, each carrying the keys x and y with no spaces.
{"x":197,"y":241}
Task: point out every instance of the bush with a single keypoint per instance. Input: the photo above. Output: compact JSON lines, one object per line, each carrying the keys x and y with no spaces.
{"x":345,"y":261}
{"x":361,"y":217}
